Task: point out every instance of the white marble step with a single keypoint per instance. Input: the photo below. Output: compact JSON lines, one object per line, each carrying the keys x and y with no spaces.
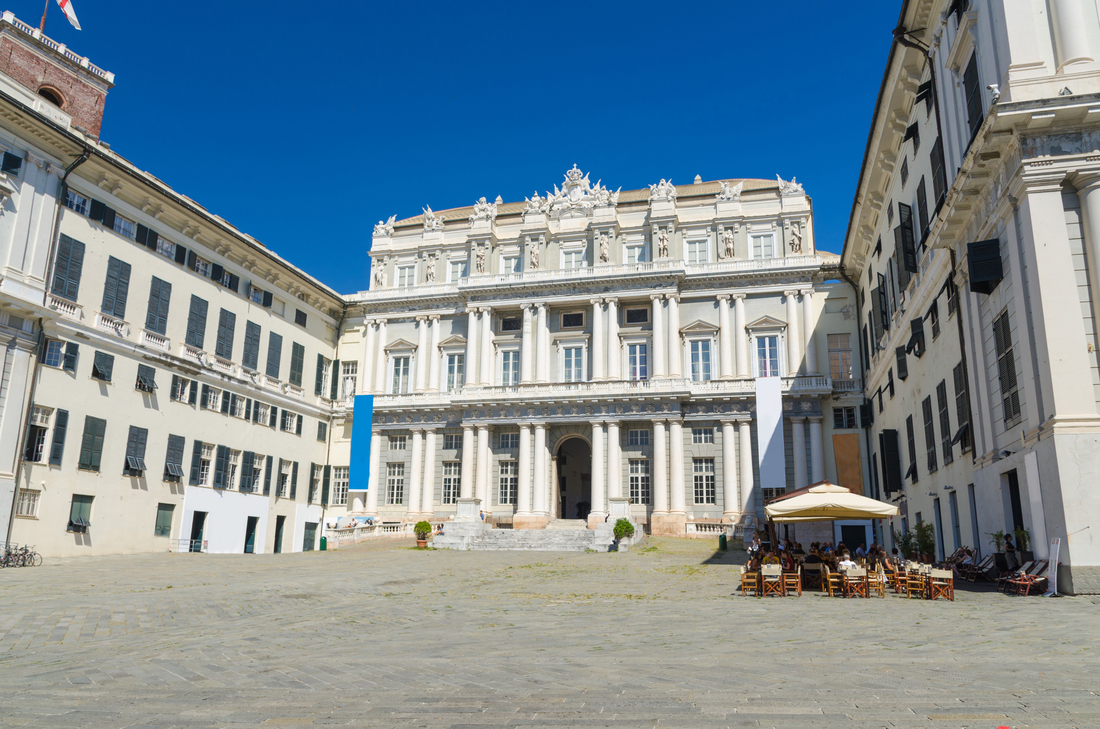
{"x":567,"y":524}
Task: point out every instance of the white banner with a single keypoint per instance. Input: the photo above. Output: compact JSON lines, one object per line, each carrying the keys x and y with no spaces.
{"x":769,"y":433}
{"x":1052,"y":569}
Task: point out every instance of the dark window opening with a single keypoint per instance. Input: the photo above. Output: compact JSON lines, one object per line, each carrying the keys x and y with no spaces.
{"x":53,"y":96}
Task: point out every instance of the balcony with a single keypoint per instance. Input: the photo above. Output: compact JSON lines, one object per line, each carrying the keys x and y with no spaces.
{"x":111,"y":324}
{"x":223,"y":365}
{"x":565,"y":275}
{"x":754,"y":265}
{"x":154,"y":340}
{"x":66,"y":308}
{"x":193,"y":353}
{"x":574,"y":391}
{"x":854,"y":384}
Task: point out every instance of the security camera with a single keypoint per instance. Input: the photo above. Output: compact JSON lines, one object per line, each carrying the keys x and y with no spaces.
{"x":995,"y":91}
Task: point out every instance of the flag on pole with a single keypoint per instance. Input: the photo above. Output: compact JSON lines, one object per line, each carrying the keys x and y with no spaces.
{"x":67,"y":6}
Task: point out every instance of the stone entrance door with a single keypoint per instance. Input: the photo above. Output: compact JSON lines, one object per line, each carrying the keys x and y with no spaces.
{"x":575,"y":478}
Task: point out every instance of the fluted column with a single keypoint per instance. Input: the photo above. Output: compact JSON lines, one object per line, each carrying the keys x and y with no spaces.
{"x":599,"y":372}
{"x":433,"y":352}
{"x":542,"y":335}
{"x":523,"y":498}
{"x":675,"y":352}
{"x":421,"y":354}
{"x":744,"y":450}
{"x":412,"y":503}
{"x":481,"y":482}
{"x":614,"y":349}
{"x":375,"y":477}
{"x":725,"y":339}
{"x":598,"y":508}
{"x":527,"y":356}
{"x":677,"y":493}
{"x":487,"y":346}
{"x":370,"y":337}
{"x":427,"y":492}
{"x":742,"y":335}
{"x":730,"y":505}
{"x":471,"y":348}
{"x":798,"y":450}
{"x":660,"y":463}
{"x":1070,"y":32}
{"x":794,"y":355}
{"x":817,"y":451}
{"x":614,"y":461}
{"x":466,"y":488}
{"x":553,"y":496}
{"x":540,"y":493}
{"x":808,"y":330}
{"x":380,"y":359}
{"x":659,"y":370}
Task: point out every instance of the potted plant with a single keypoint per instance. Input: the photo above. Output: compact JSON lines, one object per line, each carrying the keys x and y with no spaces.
{"x":907,"y":543}
{"x":925,"y":535}
{"x":1023,"y":545}
{"x":997,"y":539}
{"x":423,"y":530}
{"x":623,"y":530}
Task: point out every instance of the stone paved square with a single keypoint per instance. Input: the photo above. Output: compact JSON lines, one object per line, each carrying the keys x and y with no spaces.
{"x":385,"y":635}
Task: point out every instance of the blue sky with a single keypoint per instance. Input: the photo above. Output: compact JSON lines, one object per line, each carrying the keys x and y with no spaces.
{"x":304,"y":124}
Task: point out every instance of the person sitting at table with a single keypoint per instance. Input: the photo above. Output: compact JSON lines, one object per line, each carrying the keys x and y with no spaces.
{"x":968,"y":558}
{"x":813,"y":557}
{"x":845,"y":561}
{"x":860,"y":551}
{"x":798,"y":548}
{"x":771,"y":559}
{"x":754,"y":563}
{"x":787,"y":561}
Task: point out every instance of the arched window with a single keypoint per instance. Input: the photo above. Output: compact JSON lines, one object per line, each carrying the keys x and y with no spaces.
{"x":52,"y":95}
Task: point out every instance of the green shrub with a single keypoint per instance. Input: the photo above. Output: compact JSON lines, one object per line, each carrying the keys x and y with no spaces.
{"x":422,"y":529}
{"x":624,"y":529}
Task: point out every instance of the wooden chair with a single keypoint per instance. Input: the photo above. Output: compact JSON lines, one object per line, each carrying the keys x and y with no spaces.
{"x":749,"y":581}
{"x":942,"y":584}
{"x":974,"y":571}
{"x":855,"y":582}
{"x":879,"y":582}
{"x":1030,"y":580}
{"x":771,"y":575}
{"x":812,"y":574}
{"x":792,"y":581}
{"x":1003,"y":580}
{"x":832,"y":582}
{"x":914,"y":584}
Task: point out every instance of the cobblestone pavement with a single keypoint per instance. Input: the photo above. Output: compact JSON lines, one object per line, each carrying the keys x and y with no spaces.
{"x":385,"y":635}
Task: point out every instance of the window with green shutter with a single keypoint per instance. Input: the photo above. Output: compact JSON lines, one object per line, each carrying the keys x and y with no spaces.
{"x":67,"y":268}
{"x":160,"y":292}
{"x":322,"y":431}
{"x":103,"y":366}
{"x":196,"y":322}
{"x":274,"y":354}
{"x":221,"y":463}
{"x":173,"y":459}
{"x":297,"y":363}
{"x":135,"y":451}
{"x":80,"y":513}
{"x":163,"y":527}
{"x":116,"y":288}
{"x":146,"y":379}
{"x":61,"y":424}
{"x":227,"y":322}
{"x":91,"y":446}
{"x":251,"y":356}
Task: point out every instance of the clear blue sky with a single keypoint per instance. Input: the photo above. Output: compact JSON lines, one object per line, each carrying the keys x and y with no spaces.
{"x":304,"y":123}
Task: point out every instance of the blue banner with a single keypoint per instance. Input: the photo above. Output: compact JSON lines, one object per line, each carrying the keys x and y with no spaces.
{"x":362,"y":422}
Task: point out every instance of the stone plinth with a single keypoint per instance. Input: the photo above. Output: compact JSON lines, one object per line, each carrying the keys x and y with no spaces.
{"x":468,"y":510}
{"x":668,"y":525}
{"x":530,"y":522}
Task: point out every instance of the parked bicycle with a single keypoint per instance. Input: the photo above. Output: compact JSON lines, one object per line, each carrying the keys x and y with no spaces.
{"x":16,"y":556}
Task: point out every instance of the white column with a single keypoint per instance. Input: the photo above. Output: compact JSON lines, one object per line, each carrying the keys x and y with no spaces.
{"x":422,"y":356}
{"x":412,"y":503}
{"x":481,"y":482}
{"x":375,"y":477}
{"x":614,"y":461}
{"x":614,"y":349}
{"x":471,"y":348}
{"x":486,"y":346}
{"x":1088,"y":192}
{"x":366,"y":381}
{"x":523,"y":499}
{"x":542,"y":335}
{"x":817,"y":451}
{"x":380,"y":359}
{"x":742,"y":334}
{"x":433,"y":368}
{"x":744,"y":450}
{"x":678,"y":496}
{"x":467,"y":484}
{"x":527,"y":356}
{"x":1070,"y":32}
{"x":798,"y":450}
{"x":730,"y":505}
{"x":659,"y":370}
{"x":599,"y":451}
{"x":794,"y":353}
{"x":675,"y":351}
{"x":540,"y":494}
{"x":725,"y":338}
{"x":660,"y":462}
{"x":427,"y":493}
{"x":808,"y":330}
{"x":598,"y":359}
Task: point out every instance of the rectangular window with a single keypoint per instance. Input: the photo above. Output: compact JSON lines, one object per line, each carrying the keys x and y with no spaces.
{"x":297,"y":363}
{"x":55,"y":353}
{"x":697,"y":252}
{"x":574,"y":364}
{"x":512,"y":264}
{"x":452,"y":441}
{"x":314,"y":483}
{"x":322,"y":431}
{"x":36,"y":443}
{"x":572,"y":320}
{"x":232,"y":466}
{"x":904,"y":171}
{"x":510,"y":324}
{"x":572,"y":259}
{"x":76,"y":202}
{"x":639,"y":479}
{"x":934,"y":319}
{"x":945,"y":422}
{"x":840,"y":356}
{"x":299,"y":317}
{"x":637,"y":362}
{"x":962,"y":408}
{"x":702,"y":435}
{"x":125,"y":227}
{"x":260,"y":413}
{"x":349,"y":375}
{"x":289,"y":421}
{"x":703,"y":478}
{"x":323,"y":384}
{"x":509,"y":441}
{"x":80,"y":513}
{"x":457,"y":270}
{"x":160,"y":293}
{"x":227,"y":322}
{"x":406,"y":276}
{"x":339,"y":495}
{"x":196,"y":322}
{"x":635,"y":253}
{"x":27,"y":504}
{"x":700,"y":360}
{"x":939,"y":179}
{"x":922,"y":210}
{"x":164,"y":247}
{"x":398,"y":442}
{"x":146,"y":379}
{"x":202,"y":267}
{"x":929,"y":434}
{"x":1006,"y":370}
{"x":251,"y":356}
{"x":395,"y":484}
{"x":767,"y":356}
{"x":844,"y":418}
{"x":637,"y":316}
{"x":211,"y":398}
{"x":173,"y":459}
{"x":91,"y":447}
{"x":452,"y":477}
{"x":163,"y":525}
{"x":284,"y":478}
{"x":135,"y":451}
{"x":637,"y":438}
{"x":400,"y":382}
{"x":911,"y":438}
{"x":763,"y":246}
{"x":237,"y":407}
{"x":509,"y":368}
{"x":255,"y":295}
{"x":67,"y":268}
{"x":206,"y":460}
{"x":973,"y":89}
{"x":509,"y":481}
{"x":456,"y":371}
{"x":274,"y":354}
{"x":116,"y":288}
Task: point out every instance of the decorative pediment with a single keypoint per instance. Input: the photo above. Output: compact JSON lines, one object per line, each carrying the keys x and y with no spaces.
{"x":455,"y":340}
{"x":699,"y":327}
{"x":399,"y":344}
{"x":767,"y":322}
{"x":577,"y":197}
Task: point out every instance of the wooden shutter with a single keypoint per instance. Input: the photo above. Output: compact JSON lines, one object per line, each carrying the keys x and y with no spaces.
{"x":142,"y":236}
{"x":274,"y":354}
{"x":267,"y":299}
{"x":97,"y":210}
{"x":326,"y":476}
{"x":192,"y":261}
{"x":205,"y":396}
{"x":194,"y":392}
{"x":251,"y":356}
{"x":248,"y":409}
{"x":903,"y":366}
{"x":216,"y":272}
{"x":91,"y":447}
{"x":298,"y":426}
{"x":891,"y":461}
{"x":196,"y":462}
{"x":67,"y":268}
{"x":908,"y":247}
{"x":69,"y":362}
{"x":320,"y":374}
{"x":103,"y":366}
{"x":883,"y":307}
{"x":116,"y":287}
{"x":273,"y":418}
{"x":108,"y":217}
{"x":175,"y":385}
{"x":924,"y":93}
{"x":227,"y":322}
{"x":235,"y":283}
{"x":174,"y":455}
{"x":181,"y":255}
{"x":61,"y":424}
{"x":939,"y":180}
{"x":297,"y":362}
{"x":247,"y":459}
{"x":227,"y":400}
{"x":160,"y":293}
{"x":972,"y":88}
{"x":267,"y":475}
{"x":985,"y":266}
{"x":294,"y":480}
{"x":335,"y":379}
{"x":221,"y":462}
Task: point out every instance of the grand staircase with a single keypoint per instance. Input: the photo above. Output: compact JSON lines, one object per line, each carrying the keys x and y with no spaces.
{"x":560,"y":535}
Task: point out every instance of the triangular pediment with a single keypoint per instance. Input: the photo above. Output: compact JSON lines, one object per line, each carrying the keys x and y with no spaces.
{"x":767,"y":322}
{"x":699,"y":327}
{"x":399,"y":344}
{"x":455,"y":340}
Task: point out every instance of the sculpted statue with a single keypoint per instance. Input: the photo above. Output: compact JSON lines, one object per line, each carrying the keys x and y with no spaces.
{"x":662,"y":244}
{"x":663,"y":190}
{"x":789,"y":188}
{"x":605,"y":249}
{"x":379,"y":276}
{"x":484,"y":210}
{"x":534,"y":255}
{"x":796,"y":238}
{"x":730,"y":193}
{"x":431,"y":220}
{"x":430,"y":273}
{"x":386,"y":228}
{"x":727,"y":239}
{"x":535,"y":203}
{"x":480,"y":259}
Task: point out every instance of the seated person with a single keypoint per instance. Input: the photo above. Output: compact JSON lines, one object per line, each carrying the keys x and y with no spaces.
{"x":845,"y":562}
{"x":788,"y":561}
{"x":813,"y":557}
{"x":771,"y":559}
{"x":798,"y":548}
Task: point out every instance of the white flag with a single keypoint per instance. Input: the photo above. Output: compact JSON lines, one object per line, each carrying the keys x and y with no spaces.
{"x":67,"y":6}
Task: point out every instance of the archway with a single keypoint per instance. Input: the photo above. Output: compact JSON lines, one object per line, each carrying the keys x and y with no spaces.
{"x":574,"y":478}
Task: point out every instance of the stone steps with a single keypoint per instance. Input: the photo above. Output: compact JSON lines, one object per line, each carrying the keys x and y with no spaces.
{"x":544,"y":540}
{"x":567,"y":524}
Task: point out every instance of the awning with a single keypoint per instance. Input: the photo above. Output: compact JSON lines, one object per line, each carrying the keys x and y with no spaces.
{"x":825,"y":502}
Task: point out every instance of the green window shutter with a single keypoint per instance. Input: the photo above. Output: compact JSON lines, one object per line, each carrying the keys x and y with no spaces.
{"x":69,"y":363}
{"x":320,"y":374}
{"x":194,"y":392}
{"x":116,"y":287}
{"x":273,"y":417}
{"x":298,"y":426}
{"x":196,"y":322}
{"x":322,"y":431}
{"x":61,"y":424}
{"x":335,"y":379}
{"x":325,"y":477}
{"x":91,"y":446}
{"x":196,"y":462}
{"x":247,"y":459}
{"x":267,"y":475}
{"x":205,"y":396}
{"x":227,"y":399}
{"x":103,"y":366}
{"x":220,"y":463}
{"x":160,"y":293}
{"x":294,"y":481}
{"x":248,"y":409}
{"x":251,"y":356}
{"x":297,"y":362}
{"x":227,"y":322}
{"x":67,"y":268}
{"x":173,"y":458}
{"x":274,"y":354}
{"x":216,"y":272}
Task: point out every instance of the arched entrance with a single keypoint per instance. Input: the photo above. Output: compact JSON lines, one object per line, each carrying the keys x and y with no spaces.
{"x":574,"y":468}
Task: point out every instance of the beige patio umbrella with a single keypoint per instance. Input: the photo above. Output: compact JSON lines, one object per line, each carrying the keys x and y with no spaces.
{"x":824,"y":501}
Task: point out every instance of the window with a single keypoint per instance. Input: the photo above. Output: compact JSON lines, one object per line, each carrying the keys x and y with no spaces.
{"x":54,"y":353}
{"x":572,"y":259}
{"x":339,"y":495}
{"x":91,"y":447}
{"x":456,"y":371}
{"x":637,"y":316}
{"x":323,"y":385}
{"x":572,"y":320}
{"x":702,"y":435}
{"x":939,"y":180}
{"x":639,"y":479}
{"x":206,"y":459}
{"x":67,"y":268}
{"x":36,"y":439}
{"x":635,"y":252}
{"x":929,"y":434}
{"x":395,"y":483}
{"x":452,"y":441}
{"x":945,"y":422}
{"x":973,"y":90}
{"x":511,"y":324}
{"x":904,"y":171}
{"x":962,"y":409}
{"x":27,"y":503}
{"x":844,"y":418}
{"x":697,"y":252}
{"x":767,"y":356}
{"x":457,"y":270}
{"x":227,"y":322}
{"x":164,"y":247}
{"x":76,"y":202}
{"x":406,"y":276}
{"x":700,"y":360}
{"x":260,"y":413}
{"x":890,"y":213}
{"x":509,"y":368}
{"x":173,"y":458}
{"x":297,"y":363}
{"x":314,"y":483}
{"x":146,"y":379}
{"x":703,"y":478}
{"x":284,"y":478}
{"x":196,"y":322}
{"x":160,"y":293}
{"x":922,"y":210}
{"x":202,"y":267}
{"x":511,"y":264}
{"x":574,"y":364}
{"x":637,"y":438}
{"x":400,"y":375}
{"x":289,"y":421}
{"x":763,"y":246}
{"x":509,"y":481}
{"x":135,"y":451}
{"x":840,"y":356}
{"x":452,"y":477}
{"x":250,"y":358}
{"x":255,"y":295}
{"x":231,"y":470}
{"x":163,"y":525}
{"x":125,"y":227}
{"x":211,"y":398}
{"x":912,"y":440}
{"x":934,"y":318}
{"x":398,"y":442}
{"x":274,"y":354}
{"x":253,"y":473}
{"x":116,"y":288}
{"x":1006,"y":370}
{"x":237,"y":407}
{"x":637,"y":362}
{"x":322,"y":431}
{"x":509,"y":440}
{"x":80,"y":513}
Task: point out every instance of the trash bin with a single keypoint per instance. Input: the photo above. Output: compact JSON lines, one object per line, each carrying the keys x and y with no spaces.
{"x":721,"y":542}
{"x":324,"y":544}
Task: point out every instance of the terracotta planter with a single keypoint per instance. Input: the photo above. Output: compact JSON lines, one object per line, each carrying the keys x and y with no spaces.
{"x":422,"y":543}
